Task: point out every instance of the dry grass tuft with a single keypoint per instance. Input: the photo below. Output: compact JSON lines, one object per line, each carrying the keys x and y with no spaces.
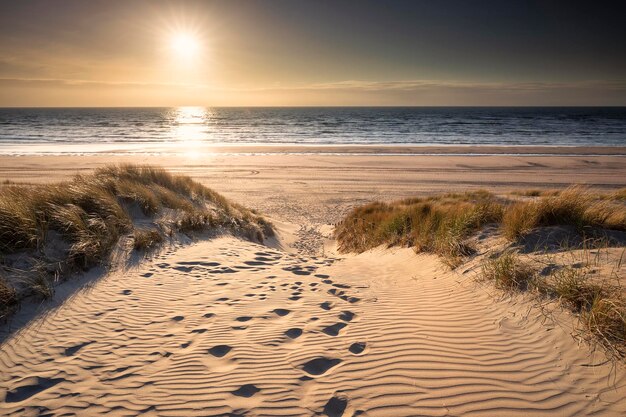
{"x":606,"y":320}
{"x":146,"y":239}
{"x":600,"y":307}
{"x":8,"y":298}
{"x":619,"y":194}
{"x":536,"y":193}
{"x":438,"y":224}
{"x":507,"y":272}
{"x":574,"y":206}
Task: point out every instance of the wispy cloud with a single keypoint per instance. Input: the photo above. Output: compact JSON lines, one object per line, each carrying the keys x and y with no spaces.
{"x":27,"y":91}
{"x":416,"y":85}
{"x":409,"y":85}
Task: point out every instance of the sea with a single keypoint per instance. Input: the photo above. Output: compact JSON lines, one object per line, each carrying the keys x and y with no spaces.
{"x":170,"y":130}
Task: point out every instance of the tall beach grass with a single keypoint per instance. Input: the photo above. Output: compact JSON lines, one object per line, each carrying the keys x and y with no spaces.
{"x":76,"y":224}
{"x":443,"y":224}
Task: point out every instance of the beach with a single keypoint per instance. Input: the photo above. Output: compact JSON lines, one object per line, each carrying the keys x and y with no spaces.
{"x":312,"y":209}
{"x":308,"y":184}
{"x":230,"y":327}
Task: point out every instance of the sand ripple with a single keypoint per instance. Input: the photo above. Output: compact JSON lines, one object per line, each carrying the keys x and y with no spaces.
{"x":232,"y":328}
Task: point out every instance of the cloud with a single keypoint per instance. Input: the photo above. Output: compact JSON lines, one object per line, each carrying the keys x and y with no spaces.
{"x":416,"y":85}
{"x":65,"y":92}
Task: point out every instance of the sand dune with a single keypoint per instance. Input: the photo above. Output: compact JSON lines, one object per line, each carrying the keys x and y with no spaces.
{"x":321,"y":188}
{"x":228,"y":327}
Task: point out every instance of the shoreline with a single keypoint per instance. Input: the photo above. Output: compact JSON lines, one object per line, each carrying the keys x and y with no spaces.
{"x":183,"y":148}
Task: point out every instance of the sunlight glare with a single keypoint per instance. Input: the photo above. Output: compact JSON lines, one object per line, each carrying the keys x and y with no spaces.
{"x":185,"y":45}
{"x":190,"y":129}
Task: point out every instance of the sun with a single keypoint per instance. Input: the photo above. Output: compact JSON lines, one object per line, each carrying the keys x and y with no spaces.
{"x":185,"y":45}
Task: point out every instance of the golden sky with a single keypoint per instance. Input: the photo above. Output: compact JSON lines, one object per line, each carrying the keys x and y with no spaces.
{"x":293,"y":53}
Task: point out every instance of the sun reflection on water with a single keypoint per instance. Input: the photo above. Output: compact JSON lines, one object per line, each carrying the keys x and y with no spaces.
{"x":190,"y":129}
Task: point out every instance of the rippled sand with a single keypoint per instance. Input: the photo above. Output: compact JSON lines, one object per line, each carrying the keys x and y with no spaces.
{"x":229,"y":327}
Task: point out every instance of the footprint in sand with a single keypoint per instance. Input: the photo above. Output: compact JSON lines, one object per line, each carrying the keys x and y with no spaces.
{"x":208,"y":315}
{"x":243,"y":318}
{"x":351,"y":300}
{"x":281,"y":312}
{"x":357,"y":348}
{"x":220,"y":350}
{"x":326,"y":305}
{"x":346,"y":315}
{"x":334,"y":329}
{"x":127,"y":292}
{"x":178,"y":318}
{"x":336,"y":406}
{"x":293,"y":333}
{"x":298,"y":270}
{"x":246,"y":391}
{"x":198,"y":331}
{"x":320,"y":366}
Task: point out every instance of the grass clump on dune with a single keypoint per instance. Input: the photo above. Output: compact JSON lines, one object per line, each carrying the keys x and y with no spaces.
{"x":599,"y":306}
{"x":575,"y":206}
{"x":437,"y":224}
{"x":146,"y":239}
{"x":619,"y":194}
{"x":449,"y":225}
{"x":443,"y":224}
{"x":507,"y":272}
{"x":8,"y":298}
{"x":76,"y":224}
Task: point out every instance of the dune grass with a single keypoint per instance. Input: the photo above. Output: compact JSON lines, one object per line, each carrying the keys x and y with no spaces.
{"x":447,"y":224}
{"x":443,"y":224}
{"x":436,"y":224}
{"x":575,"y":206}
{"x":507,"y":272}
{"x":535,"y":192}
{"x":88,"y":214}
{"x":8,"y":298}
{"x":599,"y":306}
{"x":146,"y":239}
{"x":619,"y":194}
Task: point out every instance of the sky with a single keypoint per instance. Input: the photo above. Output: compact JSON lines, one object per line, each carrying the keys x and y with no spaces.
{"x":311,"y":53}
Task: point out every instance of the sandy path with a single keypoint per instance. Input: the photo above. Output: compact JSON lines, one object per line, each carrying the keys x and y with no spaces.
{"x":227,"y":327}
